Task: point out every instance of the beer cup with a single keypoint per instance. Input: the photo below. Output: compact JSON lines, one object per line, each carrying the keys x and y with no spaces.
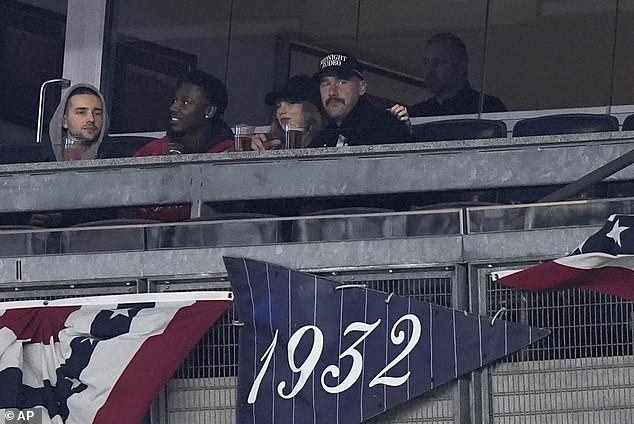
{"x":243,"y":134}
{"x":293,"y":134}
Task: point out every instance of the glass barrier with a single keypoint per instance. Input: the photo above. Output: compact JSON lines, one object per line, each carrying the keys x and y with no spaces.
{"x":222,"y":231}
{"x":546,"y":215}
{"x":229,"y":230}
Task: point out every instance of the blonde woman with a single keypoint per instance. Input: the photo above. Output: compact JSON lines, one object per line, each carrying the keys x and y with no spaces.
{"x":295,"y":106}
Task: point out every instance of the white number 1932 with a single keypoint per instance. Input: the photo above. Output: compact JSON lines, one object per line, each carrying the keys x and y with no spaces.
{"x":306,"y":369}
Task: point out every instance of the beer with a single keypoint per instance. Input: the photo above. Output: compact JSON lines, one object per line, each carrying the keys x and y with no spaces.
{"x":244,"y":143}
{"x":243,"y":135}
{"x":293,"y":137}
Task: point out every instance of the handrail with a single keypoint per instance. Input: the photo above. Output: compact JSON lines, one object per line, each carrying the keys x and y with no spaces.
{"x":40,"y":111}
{"x":591,"y":178}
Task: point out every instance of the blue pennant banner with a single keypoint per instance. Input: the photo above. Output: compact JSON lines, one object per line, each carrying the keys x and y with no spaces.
{"x":313,"y":350}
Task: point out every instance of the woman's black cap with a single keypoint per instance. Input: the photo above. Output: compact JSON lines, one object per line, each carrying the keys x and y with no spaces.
{"x":298,"y":88}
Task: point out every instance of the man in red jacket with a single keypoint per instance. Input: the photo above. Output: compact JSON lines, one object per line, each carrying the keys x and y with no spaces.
{"x":196,"y":127}
{"x":196,"y":119}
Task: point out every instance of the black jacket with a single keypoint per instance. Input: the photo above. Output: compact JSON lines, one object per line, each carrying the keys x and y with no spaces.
{"x":466,"y":101}
{"x":365,"y":124}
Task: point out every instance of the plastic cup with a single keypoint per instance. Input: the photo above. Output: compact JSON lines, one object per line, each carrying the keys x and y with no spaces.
{"x":243,"y":134}
{"x":293,"y":134}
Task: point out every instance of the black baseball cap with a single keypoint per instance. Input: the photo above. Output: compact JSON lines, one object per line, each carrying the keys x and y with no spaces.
{"x":298,"y":88}
{"x":340,"y":65}
{"x":215,"y":90}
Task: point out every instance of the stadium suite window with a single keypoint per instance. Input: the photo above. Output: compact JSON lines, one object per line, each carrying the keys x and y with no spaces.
{"x":236,"y":41}
{"x":32,"y":35}
{"x":551,"y":55}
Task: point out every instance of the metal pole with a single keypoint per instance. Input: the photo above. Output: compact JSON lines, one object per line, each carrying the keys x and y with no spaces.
{"x":40,"y":111}
{"x":590,"y":179}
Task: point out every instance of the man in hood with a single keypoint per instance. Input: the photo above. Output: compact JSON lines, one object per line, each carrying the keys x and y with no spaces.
{"x":77,"y":129}
{"x":79,"y":124}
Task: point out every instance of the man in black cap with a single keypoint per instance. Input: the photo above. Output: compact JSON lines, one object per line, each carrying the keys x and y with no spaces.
{"x":352,"y":120}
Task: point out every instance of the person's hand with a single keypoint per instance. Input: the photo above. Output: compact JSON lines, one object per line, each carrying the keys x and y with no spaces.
{"x":175,"y":148}
{"x":260,"y":142}
{"x":399,"y":112}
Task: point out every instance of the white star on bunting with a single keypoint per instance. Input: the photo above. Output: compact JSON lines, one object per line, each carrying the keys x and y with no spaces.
{"x":123,"y":311}
{"x":615,"y":232}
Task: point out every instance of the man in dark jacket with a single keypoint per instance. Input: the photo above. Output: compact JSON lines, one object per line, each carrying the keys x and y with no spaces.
{"x":352,"y":120}
{"x":446,"y":70}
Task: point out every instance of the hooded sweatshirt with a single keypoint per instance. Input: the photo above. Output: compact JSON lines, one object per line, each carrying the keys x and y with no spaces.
{"x":56,"y":131}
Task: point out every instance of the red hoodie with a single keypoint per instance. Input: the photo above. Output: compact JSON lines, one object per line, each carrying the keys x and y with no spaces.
{"x":173,"y":213}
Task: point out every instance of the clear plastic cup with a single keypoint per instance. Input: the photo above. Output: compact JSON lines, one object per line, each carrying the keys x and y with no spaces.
{"x":243,"y":134}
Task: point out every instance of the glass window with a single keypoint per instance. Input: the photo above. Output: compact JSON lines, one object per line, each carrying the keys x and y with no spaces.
{"x":623,"y":93}
{"x":31,"y":51}
{"x":528,"y":55}
{"x":395,"y":35}
{"x":149,"y":48}
{"x":550,"y":54}
{"x":252,"y":46}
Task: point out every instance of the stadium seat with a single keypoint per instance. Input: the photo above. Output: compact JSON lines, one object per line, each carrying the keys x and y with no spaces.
{"x":628,"y":123}
{"x":348,"y":228}
{"x":86,"y":239}
{"x":459,"y":129}
{"x":243,"y":229}
{"x":570,"y":123}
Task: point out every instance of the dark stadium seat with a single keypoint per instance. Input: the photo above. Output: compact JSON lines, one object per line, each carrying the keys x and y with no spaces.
{"x":459,"y":129}
{"x":570,"y":123}
{"x":87,"y":239}
{"x":248,"y":229}
{"x":347,"y":228}
{"x":628,"y":123}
